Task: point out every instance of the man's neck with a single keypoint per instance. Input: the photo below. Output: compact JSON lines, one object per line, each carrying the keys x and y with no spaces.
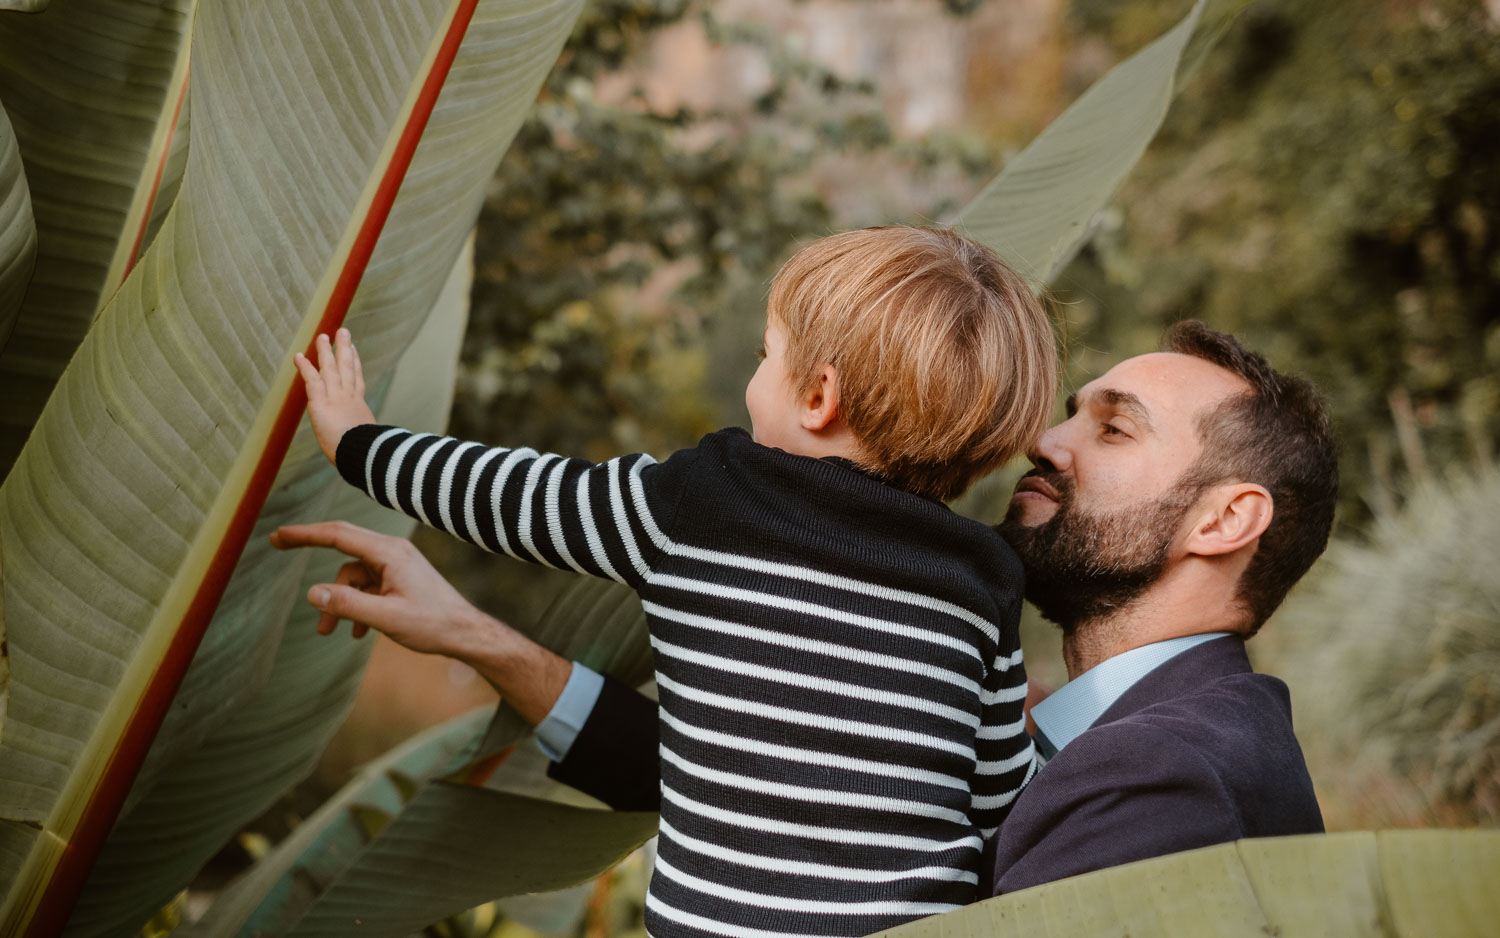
{"x":1153,"y":617}
{"x":1086,"y":644}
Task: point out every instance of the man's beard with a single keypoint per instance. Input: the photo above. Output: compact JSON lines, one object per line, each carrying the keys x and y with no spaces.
{"x":1081,"y":567}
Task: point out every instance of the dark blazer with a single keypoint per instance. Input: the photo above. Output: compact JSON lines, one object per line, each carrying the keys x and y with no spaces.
{"x":1200,"y":751}
{"x":614,"y":756}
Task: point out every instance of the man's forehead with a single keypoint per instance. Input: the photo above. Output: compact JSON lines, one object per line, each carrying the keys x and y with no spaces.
{"x":1163,"y":385}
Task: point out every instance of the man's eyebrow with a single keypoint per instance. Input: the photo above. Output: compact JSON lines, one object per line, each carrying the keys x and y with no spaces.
{"x":1128,"y":403}
{"x":1123,"y":401}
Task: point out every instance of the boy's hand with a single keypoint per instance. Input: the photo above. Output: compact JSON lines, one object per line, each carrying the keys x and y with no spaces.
{"x":335,"y":391}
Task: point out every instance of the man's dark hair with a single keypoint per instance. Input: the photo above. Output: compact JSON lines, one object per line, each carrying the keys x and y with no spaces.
{"x":1278,"y":435}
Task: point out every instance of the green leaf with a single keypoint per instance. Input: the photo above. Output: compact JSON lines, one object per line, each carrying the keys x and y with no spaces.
{"x":456,"y":846}
{"x":597,"y":622}
{"x":550,"y":913}
{"x":272,"y":738}
{"x":171,"y":172}
{"x":24,"y":6}
{"x":1440,"y":882}
{"x":393,"y":888}
{"x":270,"y":897}
{"x":93,"y":88}
{"x":17,"y":230}
{"x":141,"y":484}
{"x":1391,"y":883}
{"x":450,"y":847}
{"x":1039,"y":210}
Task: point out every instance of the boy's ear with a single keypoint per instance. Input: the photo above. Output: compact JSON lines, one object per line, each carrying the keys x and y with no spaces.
{"x":820,"y":403}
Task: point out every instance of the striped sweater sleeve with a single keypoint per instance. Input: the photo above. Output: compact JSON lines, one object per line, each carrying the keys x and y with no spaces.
{"x":565,"y":513}
{"x":1006,"y":758}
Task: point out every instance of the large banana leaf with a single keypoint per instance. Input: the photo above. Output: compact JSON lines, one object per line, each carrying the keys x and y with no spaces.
{"x":17,"y":230}
{"x":337,"y":864}
{"x":125,"y":515}
{"x":277,"y":890}
{"x":457,"y":846}
{"x":171,"y":171}
{"x":1039,"y":210}
{"x":415,"y":836}
{"x":1401,"y":884}
{"x":93,"y":88}
{"x":272,"y":739}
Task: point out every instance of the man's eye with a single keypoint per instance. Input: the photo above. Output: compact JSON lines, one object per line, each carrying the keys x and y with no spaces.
{"x":760,"y":352}
{"x":1109,"y":429}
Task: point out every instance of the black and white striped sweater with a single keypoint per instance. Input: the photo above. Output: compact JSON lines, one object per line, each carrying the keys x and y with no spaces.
{"x":839,"y":668}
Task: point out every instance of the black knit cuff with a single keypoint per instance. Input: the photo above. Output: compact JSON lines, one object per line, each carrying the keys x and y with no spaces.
{"x":353,"y":451}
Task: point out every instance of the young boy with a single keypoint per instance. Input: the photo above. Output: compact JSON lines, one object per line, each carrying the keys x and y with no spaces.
{"x":837,"y":653}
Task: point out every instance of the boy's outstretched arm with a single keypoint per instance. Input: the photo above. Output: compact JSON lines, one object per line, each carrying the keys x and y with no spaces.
{"x":335,"y":391}
{"x":607,"y":520}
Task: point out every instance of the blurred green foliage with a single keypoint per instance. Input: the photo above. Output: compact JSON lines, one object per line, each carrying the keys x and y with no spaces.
{"x":1392,"y":650}
{"x":1327,"y":189}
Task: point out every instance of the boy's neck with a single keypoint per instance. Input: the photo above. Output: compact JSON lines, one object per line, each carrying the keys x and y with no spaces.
{"x":834,"y":440}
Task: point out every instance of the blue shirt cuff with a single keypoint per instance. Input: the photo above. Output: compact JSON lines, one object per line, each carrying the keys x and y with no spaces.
{"x":556,"y":733}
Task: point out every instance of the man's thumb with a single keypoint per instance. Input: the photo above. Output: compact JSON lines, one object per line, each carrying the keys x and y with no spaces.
{"x":345,"y":602}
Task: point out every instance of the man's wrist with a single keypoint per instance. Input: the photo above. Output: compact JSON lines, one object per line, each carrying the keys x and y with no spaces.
{"x":476,"y":638}
{"x":529,"y":677}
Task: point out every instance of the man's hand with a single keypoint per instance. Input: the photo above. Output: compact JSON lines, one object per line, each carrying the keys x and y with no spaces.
{"x":335,"y":391}
{"x":389,"y":587}
{"x":392,"y":588}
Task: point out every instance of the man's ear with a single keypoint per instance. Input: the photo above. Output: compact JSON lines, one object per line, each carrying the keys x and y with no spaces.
{"x":1237,"y":515}
{"x":820,"y":403}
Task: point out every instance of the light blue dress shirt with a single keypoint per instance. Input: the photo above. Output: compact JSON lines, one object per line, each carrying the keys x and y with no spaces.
{"x":557,"y":732}
{"x":1074,"y":707}
{"x":1065,"y":714}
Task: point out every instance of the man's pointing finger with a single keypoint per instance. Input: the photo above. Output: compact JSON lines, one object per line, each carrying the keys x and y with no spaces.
{"x":342,"y":536}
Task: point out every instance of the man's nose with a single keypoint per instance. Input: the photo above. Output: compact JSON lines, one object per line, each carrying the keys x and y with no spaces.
{"x":1049,"y":453}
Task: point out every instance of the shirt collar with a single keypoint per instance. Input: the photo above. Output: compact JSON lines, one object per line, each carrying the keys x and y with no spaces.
{"x":1078,"y":704}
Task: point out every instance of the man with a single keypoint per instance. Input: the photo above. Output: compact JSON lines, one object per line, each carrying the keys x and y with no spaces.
{"x":1165,"y":520}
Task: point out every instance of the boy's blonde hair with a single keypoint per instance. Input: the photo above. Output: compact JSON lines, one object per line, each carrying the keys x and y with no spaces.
{"x":946,"y":361}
